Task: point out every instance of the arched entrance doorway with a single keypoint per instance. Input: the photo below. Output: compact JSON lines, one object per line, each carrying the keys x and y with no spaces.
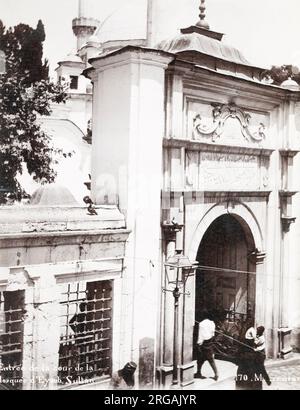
{"x":225,"y":281}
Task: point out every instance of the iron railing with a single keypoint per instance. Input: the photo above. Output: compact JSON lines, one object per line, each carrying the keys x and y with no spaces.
{"x":11,"y":339}
{"x":86,"y":332}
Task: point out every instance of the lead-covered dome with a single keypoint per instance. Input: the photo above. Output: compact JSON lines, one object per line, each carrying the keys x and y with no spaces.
{"x":71,"y":58}
{"x":197,"y":41}
{"x":53,"y":195}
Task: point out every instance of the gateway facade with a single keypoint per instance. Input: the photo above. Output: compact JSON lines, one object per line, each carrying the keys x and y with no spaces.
{"x":188,"y":134}
{"x":190,"y":150}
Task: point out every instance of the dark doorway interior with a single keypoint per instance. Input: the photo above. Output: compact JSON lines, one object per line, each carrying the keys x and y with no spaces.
{"x":225,"y":281}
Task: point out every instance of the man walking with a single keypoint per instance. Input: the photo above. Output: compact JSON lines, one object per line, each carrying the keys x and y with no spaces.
{"x":205,"y":345}
{"x":260,"y":349}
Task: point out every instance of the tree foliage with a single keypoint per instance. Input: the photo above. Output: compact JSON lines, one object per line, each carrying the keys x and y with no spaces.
{"x":25,"y":94}
{"x":25,"y":45}
{"x":279,"y":74}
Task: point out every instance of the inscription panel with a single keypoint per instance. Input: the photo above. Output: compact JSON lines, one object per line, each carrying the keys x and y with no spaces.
{"x":228,"y":172}
{"x":208,"y":170}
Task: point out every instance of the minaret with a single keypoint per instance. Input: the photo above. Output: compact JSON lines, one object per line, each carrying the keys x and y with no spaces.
{"x":81,"y":8}
{"x":83,"y":26}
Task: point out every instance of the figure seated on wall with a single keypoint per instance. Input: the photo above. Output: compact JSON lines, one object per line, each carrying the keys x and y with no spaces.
{"x":123,"y":379}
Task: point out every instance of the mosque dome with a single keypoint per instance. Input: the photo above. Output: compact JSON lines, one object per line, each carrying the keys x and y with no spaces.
{"x":290,"y":84}
{"x":71,"y":58}
{"x":53,"y":195}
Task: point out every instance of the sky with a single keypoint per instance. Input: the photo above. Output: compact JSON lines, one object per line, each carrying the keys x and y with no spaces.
{"x":266,"y":31}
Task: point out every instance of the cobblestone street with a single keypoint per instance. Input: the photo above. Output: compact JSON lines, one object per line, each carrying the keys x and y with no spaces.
{"x":284,"y":376}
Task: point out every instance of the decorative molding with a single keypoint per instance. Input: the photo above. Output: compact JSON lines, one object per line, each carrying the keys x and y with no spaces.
{"x":257,"y":257}
{"x":41,"y":239}
{"x":287,"y":194}
{"x":131,"y":55}
{"x":170,"y":230}
{"x":208,"y":147}
{"x":221,"y":194}
{"x":21,"y":275}
{"x":288,"y":153}
{"x":286,"y":222}
{"x":221,"y":113}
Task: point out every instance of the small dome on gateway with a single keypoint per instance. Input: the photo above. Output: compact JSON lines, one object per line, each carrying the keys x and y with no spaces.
{"x":200,"y":43}
{"x":53,"y":195}
{"x":200,"y":39}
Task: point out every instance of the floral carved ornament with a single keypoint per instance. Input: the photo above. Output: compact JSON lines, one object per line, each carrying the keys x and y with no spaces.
{"x":221,"y":113}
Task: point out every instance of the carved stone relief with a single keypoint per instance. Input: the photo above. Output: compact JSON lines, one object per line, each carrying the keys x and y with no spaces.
{"x":212,"y":129}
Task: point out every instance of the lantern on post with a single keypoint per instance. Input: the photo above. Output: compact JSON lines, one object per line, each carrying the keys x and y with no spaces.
{"x":178,"y":269}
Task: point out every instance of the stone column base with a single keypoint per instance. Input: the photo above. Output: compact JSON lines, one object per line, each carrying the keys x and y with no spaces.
{"x":285,"y":349}
{"x":165,"y":373}
{"x":187,"y":372}
{"x":164,"y":376}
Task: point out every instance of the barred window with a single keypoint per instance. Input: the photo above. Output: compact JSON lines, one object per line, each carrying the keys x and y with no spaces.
{"x":86,"y":331}
{"x":11,"y":339}
{"x":73,"y":82}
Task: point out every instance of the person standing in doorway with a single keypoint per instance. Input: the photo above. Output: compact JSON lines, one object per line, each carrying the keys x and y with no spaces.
{"x":250,"y":333}
{"x":205,"y":345}
{"x":260,"y":349}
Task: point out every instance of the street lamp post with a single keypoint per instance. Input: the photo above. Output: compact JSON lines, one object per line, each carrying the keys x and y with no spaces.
{"x":178,"y":269}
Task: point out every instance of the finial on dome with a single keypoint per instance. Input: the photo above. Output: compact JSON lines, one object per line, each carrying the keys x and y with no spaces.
{"x":202,"y":22}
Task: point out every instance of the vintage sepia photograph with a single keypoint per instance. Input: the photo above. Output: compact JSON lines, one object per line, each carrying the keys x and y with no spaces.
{"x":149,"y":197}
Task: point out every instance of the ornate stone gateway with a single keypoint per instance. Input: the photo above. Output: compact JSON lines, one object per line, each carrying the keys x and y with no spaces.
{"x":205,"y":148}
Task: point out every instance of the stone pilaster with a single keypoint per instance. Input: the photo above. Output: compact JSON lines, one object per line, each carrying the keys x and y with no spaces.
{"x":284,"y":330}
{"x":46,"y":333}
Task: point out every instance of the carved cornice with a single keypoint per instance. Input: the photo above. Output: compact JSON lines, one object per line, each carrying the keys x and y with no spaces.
{"x":286,"y":219}
{"x":170,"y":230}
{"x":222,"y":194}
{"x":205,"y":78}
{"x":287,"y":194}
{"x":237,"y":194}
{"x":286,"y":222}
{"x":132,"y":55}
{"x":288,"y":153}
{"x":193,"y":145}
{"x":221,"y":113}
